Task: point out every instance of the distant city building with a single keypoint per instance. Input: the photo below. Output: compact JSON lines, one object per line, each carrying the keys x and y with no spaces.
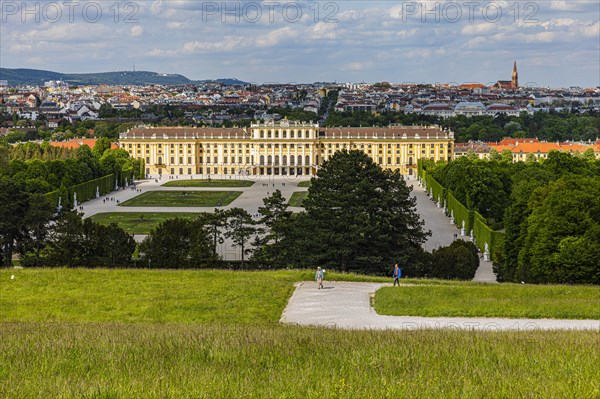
{"x":281,"y":148}
{"x":512,"y":84}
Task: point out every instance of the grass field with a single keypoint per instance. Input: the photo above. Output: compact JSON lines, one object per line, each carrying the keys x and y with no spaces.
{"x":305,"y":183}
{"x":297,"y":198}
{"x":98,"y":333}
{"x":184,"y":198}
{"x":110,"y":360}
{"x":133,"y":223}
{"x":149,"y":296}
{"x":481,"y":300}
{"x":211,"y":183}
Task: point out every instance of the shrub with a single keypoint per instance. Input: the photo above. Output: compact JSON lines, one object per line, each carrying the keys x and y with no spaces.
{"x":458,"y":260}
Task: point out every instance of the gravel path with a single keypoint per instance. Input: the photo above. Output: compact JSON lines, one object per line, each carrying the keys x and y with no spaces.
{"x":346,"y":305}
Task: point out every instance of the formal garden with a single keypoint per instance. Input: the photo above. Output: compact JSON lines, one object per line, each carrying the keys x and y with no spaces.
{"x":209,"y":183}
{"x":184,"y":198}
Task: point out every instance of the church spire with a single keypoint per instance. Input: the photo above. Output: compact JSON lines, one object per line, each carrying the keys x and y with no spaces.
{"x":515,"y":77}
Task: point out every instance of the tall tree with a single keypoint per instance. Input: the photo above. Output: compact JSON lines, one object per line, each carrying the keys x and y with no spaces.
{"x":214,"y":225}
{"x":178,"y":243}
{"x":359,"y":217}
{"x":37,"y":226}
{"x":66,"y":244}
{"x":14,"y":205}
{"x":276,"y":220}
{"x":241,"y":228}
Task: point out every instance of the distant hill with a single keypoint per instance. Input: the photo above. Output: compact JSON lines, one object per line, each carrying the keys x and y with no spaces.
{"x":16,"y":77}
{"x":231,"y":81}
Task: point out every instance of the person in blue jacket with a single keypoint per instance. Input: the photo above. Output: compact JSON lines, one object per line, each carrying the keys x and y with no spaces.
{"x":397,"y":274}
{"x":319,"y":278}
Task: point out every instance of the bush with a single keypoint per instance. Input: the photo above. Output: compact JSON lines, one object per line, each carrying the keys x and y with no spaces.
{"x":458,"y":260}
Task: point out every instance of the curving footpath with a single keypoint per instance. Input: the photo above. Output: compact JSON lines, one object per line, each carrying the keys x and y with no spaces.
{"x":346,"y":305}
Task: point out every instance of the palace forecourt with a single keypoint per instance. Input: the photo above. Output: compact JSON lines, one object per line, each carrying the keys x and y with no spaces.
{"x":284,"y":148}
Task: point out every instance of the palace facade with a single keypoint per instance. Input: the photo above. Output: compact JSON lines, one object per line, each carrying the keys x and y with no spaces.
{"x":280,"y":148}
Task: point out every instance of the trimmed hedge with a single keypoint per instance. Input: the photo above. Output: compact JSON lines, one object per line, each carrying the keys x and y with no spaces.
{"x":473,"y":220}
{"x":461,"y":213}
{"x":436,"y":189}
{"x":87,"y":191}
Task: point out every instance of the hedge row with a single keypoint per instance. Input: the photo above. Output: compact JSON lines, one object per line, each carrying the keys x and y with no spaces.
{"x":473,"y":220}
{"x":460,"y":212}
{"x":437,"y":191}
{"x":484,"y":234}
{"x":87,"y":191}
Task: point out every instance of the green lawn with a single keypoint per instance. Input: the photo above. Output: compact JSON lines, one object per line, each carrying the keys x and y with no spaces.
{"x":98,"y":333}
{"x":486,"y":300}
{"x":297,"y":198}
{"x":184,"y":198}
{"x":140,"y":223}
{"x":111,"y":360}
{"x":149,"y":296}
{"x":211,"y":183}
{"x":305,"y":183}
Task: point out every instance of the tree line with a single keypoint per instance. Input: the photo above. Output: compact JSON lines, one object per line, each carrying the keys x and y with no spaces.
{"x":42,"y":168}
{"x":550,"y":211}
{"x":546,"y":126}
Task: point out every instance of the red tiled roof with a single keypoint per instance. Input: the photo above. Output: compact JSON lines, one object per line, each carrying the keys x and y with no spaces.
{"x":76,"y":143}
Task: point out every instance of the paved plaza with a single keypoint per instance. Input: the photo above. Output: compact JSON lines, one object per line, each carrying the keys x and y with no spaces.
{"x":251,"y":199}
{"x":347,"y":305}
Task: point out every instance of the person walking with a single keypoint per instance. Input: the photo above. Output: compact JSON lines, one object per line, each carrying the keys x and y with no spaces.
{"x":319,"y":278}
{"x":397,"y":274}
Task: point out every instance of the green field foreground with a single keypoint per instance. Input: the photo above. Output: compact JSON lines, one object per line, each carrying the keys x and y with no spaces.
{"x":211,"y":183}
{"x":98,"y":333}
{"x":248,"y":361}
{"x":490,"y":300}
{"x":133,"y":223}
{"x":183,"y":198}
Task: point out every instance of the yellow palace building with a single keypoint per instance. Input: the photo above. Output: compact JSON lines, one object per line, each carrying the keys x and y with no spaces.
{"x":284,"y":148}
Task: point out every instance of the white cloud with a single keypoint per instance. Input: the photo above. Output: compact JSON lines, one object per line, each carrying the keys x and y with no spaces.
{"x":322,"y":31}
{"x":228,"y":43}
{"x":275,"y":37}
{"x":136,"y":31}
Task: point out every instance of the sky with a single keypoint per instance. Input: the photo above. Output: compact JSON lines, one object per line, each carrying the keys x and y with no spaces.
{"x":555,"y":43}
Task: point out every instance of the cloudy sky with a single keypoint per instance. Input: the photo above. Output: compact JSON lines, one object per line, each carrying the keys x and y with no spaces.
{"x":555,"y":43}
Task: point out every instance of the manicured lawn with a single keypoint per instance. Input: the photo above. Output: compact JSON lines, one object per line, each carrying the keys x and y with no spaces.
{"x":184,"y":198}
{"x":112,"y":360}
{"x":139,"y":223}
{"x":297,"y":198}
{"x":480,"y":300}
{"x":211,"y":183}
{"x":305,"y":183}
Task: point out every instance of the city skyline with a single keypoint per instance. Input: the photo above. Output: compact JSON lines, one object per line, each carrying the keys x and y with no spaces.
{"x":555,"y":43}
